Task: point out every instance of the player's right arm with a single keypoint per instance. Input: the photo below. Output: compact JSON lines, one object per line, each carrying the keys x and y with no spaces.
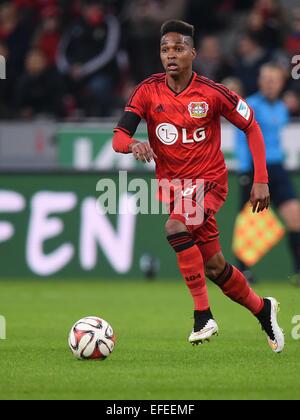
{"x":123,"y":141}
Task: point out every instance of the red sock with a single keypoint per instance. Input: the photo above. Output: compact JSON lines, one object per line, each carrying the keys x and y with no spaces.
{"x":191,"y":265}
{"x":234,"y":285}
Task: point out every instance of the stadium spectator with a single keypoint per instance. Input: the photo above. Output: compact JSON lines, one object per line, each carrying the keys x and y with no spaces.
{"x":87,"y":56}
{"x":234,"y":84}
{"x":34,"y":6}
{"x":210,"y":61}
{"x":98,"y":76}
{"x":70,"y":10}
{"x":251,"y":56}
{"x":48,"y":34}
{"x":268,"y":35}
{"x":271,"y":10}
{"x":268,"y":21}
{"x":272,"y":115}
{"x":15,"y":34}
{"x":292,"y":44}
{"x":205,"y":17}
{"x":292,"y":102}
{"x":6,"y":85}
{"x":39,"y":90}
{"x":143,"y":19}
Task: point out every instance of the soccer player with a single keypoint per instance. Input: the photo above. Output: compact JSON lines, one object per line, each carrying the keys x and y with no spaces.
{"x":272,"y":115}
{"x":183,"y":113}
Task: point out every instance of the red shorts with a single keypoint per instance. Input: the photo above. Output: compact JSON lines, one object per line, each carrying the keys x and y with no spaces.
{"x":208,"y":199}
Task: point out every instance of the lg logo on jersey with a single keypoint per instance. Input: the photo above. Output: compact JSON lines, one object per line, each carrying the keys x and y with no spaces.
{"x":168,"y":134}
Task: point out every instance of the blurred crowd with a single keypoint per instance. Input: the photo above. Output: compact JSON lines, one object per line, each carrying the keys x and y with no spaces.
{"x":72,"y":59}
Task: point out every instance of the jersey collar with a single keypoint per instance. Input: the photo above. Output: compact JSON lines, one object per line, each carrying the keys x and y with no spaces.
{"x":185,"y":89}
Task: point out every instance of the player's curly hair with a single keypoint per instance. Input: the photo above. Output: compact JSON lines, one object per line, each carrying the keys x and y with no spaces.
{"x":179,"y":27}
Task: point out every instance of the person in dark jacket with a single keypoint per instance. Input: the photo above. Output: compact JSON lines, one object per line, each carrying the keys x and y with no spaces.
{"x":39,"y":90}
{"x":88,"y":58}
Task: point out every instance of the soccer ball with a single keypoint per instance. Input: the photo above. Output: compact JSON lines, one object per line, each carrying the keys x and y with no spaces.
{"x":91,"y":338}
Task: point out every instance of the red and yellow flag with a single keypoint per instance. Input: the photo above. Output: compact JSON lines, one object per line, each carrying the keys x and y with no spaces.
{"x":256,"y":234}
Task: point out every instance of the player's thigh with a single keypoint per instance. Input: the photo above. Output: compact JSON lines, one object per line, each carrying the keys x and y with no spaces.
{"x":207,"y":235}
{"x":196,"y":209}
{"x":188,"y":208}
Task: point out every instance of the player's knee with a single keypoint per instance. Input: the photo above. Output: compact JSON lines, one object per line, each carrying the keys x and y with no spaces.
{"x":215,"y":267}
{"x":174,"y":226}
{"x":213,"y":273}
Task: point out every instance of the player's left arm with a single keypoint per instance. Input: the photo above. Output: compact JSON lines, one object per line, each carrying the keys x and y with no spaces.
{"x":123,"y":141}
{"x":135,"y":111}
{"x":238,"y":112}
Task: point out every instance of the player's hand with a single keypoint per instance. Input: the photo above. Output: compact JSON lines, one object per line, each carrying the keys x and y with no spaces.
{"x":260,"y":197}
{"x":143,"y":151}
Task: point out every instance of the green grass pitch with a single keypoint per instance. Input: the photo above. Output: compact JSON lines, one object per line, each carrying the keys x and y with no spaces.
{"x":152,"y":358}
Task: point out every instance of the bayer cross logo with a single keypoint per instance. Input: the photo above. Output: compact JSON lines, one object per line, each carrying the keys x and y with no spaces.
{"x":2,"y":68}
{"x":167,"y":133}
{"x":198,"y":109}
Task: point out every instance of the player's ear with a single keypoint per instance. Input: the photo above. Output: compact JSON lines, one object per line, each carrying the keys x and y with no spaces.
{"x":194,"y":53}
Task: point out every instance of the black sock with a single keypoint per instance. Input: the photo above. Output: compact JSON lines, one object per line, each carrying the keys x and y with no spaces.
{"x":294,"y":238}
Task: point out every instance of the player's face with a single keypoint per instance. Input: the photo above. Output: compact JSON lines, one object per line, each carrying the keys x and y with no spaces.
{"x":271,"y":82}
{"x":177,"y":54}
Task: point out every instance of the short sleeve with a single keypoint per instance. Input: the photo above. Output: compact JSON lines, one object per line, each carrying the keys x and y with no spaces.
{"x":138,"y":102}
{"x":234,"y":108}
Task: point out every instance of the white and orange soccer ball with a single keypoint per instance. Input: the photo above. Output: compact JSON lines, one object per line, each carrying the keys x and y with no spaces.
{"x":92,"y":338}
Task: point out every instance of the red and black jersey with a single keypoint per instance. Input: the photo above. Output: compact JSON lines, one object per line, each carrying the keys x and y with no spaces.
{"x":185,"y":129}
